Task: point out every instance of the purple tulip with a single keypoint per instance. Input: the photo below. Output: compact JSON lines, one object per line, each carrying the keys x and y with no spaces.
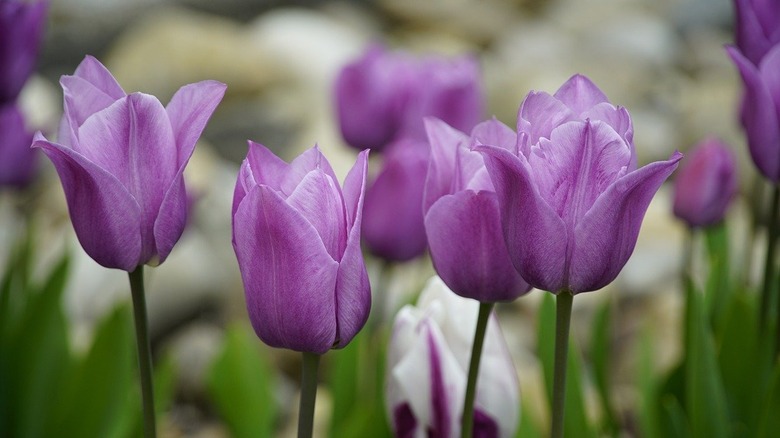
{"x":462,"y":217}
{"x":392,"y":218}
{"x":757,"y":27}
{"x":17,"y":160}
{"x":296,"y":234}
{"x":761,"y":109}
{"x":383,"y":96}
{"x":706,"y":184}
{"x":21,"y":29}
{"x":571,"y":197}
{"x":427,"y":362}
{"x":120,"y":158}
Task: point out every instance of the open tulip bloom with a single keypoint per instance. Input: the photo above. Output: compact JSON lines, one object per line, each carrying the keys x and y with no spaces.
{"x":296,"y":234}
{"x":121,"y":160}
{"x":572,"y":198}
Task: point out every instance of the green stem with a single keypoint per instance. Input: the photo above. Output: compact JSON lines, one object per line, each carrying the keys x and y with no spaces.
{"x":144,"y":350}
{"x":562,"y":319}
{"x":311,"y":362}
{"x":467,"y":421}
{"x":767,"y":300}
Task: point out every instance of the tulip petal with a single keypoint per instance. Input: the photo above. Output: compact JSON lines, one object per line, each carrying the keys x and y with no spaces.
{"x":353,"y":290}
{"x":189,"y":110}
{"x":468,"y":249}
{"x":286,"y":272}
{"x":304,"y":163}
{"x":579,"y":93}
{"x":94,"y":72}
{"x":539,"y":114}
{"x":105,"y":216}
{"x":444,"y":141}
{"x":81,"y":100}
{"x":760,"y":118}
{"x":171,"y":219}
{"x":605,"y":237}
{"x":264,"y":167}
{"x":535,"y":235}
{"x":769,"y":67}
{"x":318,"y":200}
{"x":749,"y":33}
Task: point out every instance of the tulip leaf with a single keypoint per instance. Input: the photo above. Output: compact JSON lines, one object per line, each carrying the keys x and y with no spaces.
{"x":718,"y":288}
{"x":241,"y":385}
{"x":344,"y":370}
{"x":647,"y":410}
{"x":600,"y":352}
{"x":677,"y":425}
{"x":705,"y":396}
{"x":527,"y":429}
{"x":769,"y":423}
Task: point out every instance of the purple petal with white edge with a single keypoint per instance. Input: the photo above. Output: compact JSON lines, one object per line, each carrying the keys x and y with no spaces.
{"x":318,"y":200}
{"x":445,"y":142}
{"x":289,"y":278}
{"x":759,"y":117}
{"x":536,"y":237}
{"x":580,"y":94}
{"x":606,"y":235}
{"x":576,"y":165}
{"x":353,"y":290}
{"x":468,"y":249}
{"x":539,"y":114}
{"x":189,"y":110}
{"x":105,"y":216}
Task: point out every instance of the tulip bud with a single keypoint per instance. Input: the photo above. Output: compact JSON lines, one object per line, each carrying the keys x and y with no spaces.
{"x":705,"y":184}
{"x":392,"y":218}
{"x":427,"y":364}
{"x":756,"y":27}
{"x":383,"y":96}
{"x":571,"y":197}
{"x":462,"y":217}
{"x":121,"y":160}
{"x":21,"y":29}
{"x":296,"y":235}
{"x":17,"y":160}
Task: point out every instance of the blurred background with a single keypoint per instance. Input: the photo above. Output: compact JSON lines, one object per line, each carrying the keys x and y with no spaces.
{"x":662,"y":59}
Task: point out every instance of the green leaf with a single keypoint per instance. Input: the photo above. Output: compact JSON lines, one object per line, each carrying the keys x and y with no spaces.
{"x":647,"y":410}
{"x":343,"y":376}
{"x":705,"y":396}
{"x":600,"y":352}
{"x":545,"y":345}
{"x":769,"y":423}
{"x":718,"y":290}
{"x":241,"y":386}
{"x":527,"y":429}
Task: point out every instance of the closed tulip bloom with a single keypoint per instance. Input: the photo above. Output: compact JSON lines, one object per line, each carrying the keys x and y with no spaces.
{"x":756,"y":27}
{"x":462,"y":216}
{"x":21,"y":29}
{"x":392,"y":218}
{"x":427,"y":363}
{"x":706,"y":184}
{"x":296,"y":235}
{"x":121,"y":160}
{"x":760,"y":115}
{"x":17,"y":160}
{"x":384,"y":95}
{"x":571,"y":197}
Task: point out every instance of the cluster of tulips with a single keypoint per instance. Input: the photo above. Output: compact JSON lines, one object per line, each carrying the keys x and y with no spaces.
{"x":555,"y":203}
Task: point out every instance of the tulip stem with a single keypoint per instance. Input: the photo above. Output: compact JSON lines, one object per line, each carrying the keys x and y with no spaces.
{"x":144,"y":350}
{"x":467,"y":421}
{"x":767,"y":300}
{"x":562,"y":319}
{"x":311,"y":362}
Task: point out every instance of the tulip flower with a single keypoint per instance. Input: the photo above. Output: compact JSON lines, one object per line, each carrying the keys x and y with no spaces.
{"x":17,"y":160}
{"x":296,"y":234}
{"x":760,"y":117}
{"x":392,"y":218}
{"x":462,"y":217}
{"x":383,"y":96}
{"x":121,"y":160}
{"x":426,"y":369}
{"x":571,"y":198}
{"x":757,"y":27}
{"x":21,"y":29}
{"x":706,"y":184}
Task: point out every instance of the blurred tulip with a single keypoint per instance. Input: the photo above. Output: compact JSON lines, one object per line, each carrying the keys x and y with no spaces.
{"x":21,"y":29}
{"x":706,"y":184}
{"x":760,"y":116}
{"x":462,"y":217}
{"x":392,"y":218}
{"x":428,"y":359}
{"x":121,"y":158}
{"x":757,"y":27}
{"x":571,"y":197}
{"x":17,"y":160}
{"x":296,"y":234}
{"x":383,"y":96}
